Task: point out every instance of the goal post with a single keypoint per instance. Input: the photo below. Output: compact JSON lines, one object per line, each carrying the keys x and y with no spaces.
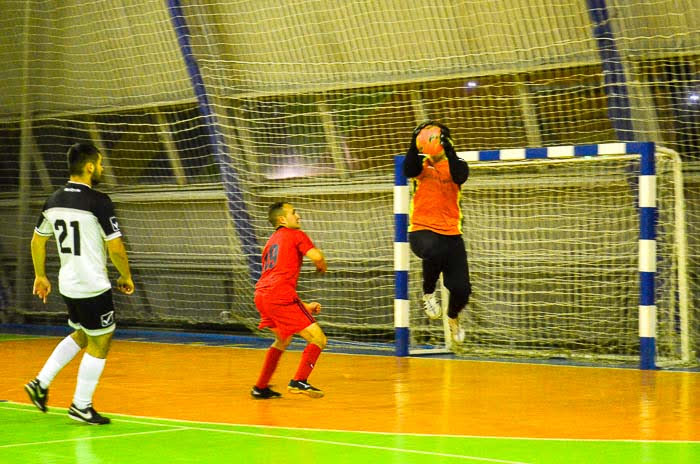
{"x":558,"y":238}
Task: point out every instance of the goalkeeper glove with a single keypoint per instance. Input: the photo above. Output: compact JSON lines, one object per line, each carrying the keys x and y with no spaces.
{"x":446,"y":143}
{"x":445,"y":139}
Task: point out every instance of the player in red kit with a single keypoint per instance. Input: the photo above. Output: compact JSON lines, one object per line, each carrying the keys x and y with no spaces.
{"x":279,"y":306}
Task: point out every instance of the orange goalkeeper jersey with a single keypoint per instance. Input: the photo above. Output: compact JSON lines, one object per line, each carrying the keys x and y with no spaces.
{"x":435,"y":202}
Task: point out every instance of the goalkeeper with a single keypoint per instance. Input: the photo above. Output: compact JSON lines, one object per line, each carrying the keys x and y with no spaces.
{"x":435,"y":228}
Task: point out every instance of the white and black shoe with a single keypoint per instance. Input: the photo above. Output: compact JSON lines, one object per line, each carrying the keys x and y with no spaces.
{"x":264,"y":393}
{"x":38,"y":395}
{"x":302,"y":386}
{"x":431,"y":306}
{"x":87,"y":415}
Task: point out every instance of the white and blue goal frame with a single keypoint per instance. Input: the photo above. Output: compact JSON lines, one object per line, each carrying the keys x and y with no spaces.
{"x":647,"y":232}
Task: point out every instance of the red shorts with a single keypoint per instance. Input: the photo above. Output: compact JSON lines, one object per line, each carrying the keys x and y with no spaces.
{"x":285,"y":319}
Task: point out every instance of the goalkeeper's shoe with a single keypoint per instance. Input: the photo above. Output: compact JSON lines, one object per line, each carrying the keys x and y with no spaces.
{"x":301,"y":386}
{"x":264,"y":393}
{"x":38,"y":395}
{"x":458,"y":334}
{"x":87,"y":415}
{"x":431,"y":306}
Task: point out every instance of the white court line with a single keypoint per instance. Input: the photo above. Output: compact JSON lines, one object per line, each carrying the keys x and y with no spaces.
{"x":49,"y":442}
{"x":356,"y":445}
{"x":368,"y":432}
{"x":175,"y":428}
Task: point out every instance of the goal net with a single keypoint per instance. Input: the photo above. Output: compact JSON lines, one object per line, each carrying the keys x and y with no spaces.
{"x":555,"y":257}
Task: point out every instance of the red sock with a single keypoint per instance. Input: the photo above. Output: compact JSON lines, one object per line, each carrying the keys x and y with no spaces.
{"x":308,"y":360}
{"x":271,"y":359}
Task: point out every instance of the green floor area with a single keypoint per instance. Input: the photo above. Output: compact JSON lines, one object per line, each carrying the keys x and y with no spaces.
{"x":27,"y":435}
{"x":7,"y":337}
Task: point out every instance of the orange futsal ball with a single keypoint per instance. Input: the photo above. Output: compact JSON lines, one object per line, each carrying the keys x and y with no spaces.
{"x":428,"y":140}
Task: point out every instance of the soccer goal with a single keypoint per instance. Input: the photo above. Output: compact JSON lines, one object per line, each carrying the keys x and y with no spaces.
{"x":574,"y":251}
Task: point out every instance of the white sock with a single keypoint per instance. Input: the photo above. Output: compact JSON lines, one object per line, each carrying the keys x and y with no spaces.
{"x":64,"y":352}
{"x":88,"y":377}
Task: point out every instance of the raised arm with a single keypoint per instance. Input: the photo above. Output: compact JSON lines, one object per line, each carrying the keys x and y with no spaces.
{"x":117,"y":254}
{"x":316,"y":255}
{"x":413,"y":164}
{"x":459,"y":169}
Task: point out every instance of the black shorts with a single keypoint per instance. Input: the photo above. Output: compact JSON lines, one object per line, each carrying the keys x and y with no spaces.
{"x":94,"y":315}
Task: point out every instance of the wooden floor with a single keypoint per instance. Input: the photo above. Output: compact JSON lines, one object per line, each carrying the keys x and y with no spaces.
{"x":377,"y":393}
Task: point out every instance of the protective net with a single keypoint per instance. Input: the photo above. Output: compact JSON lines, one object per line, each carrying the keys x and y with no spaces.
{"x":206,"y":111}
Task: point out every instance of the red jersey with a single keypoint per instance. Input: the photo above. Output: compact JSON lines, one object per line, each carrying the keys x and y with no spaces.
{"x":282,"y":258}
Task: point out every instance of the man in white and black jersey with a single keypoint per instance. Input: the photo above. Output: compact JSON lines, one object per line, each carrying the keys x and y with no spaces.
{"x":82,"y":221}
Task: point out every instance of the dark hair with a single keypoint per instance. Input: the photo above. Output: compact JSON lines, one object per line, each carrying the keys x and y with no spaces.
{"x":274,"y":211}
{"x":79,"y":154}
{"x":443,"y":128}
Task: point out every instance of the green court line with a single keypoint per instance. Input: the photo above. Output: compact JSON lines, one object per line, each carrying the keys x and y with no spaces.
{"x":9,"y":337}
{"x":27,"y":435}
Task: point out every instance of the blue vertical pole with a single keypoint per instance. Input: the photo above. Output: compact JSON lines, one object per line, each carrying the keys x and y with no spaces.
{"x":647,"y":257}
{"x":615,"y":81}
{"x":401,"y":258}
{"x":229,"y":177}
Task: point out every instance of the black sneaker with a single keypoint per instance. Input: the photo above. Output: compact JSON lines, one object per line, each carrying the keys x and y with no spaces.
{"x":38,"y":395}
{"x":264,"y":393}
{"x":87,"y":415}
{"x":300,"y":386}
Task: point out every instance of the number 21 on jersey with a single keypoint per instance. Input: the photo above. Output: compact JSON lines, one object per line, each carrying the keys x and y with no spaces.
{"x":63,"y":231}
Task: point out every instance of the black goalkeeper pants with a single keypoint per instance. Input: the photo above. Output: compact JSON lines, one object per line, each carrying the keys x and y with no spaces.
{"x":444,"y":254}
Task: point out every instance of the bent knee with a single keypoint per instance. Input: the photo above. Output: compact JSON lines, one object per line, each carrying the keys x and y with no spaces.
{"x":80,"y":338}
{"x":321,"y":341}
{"x":314,"y":334}
{"x":281,"y":343}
